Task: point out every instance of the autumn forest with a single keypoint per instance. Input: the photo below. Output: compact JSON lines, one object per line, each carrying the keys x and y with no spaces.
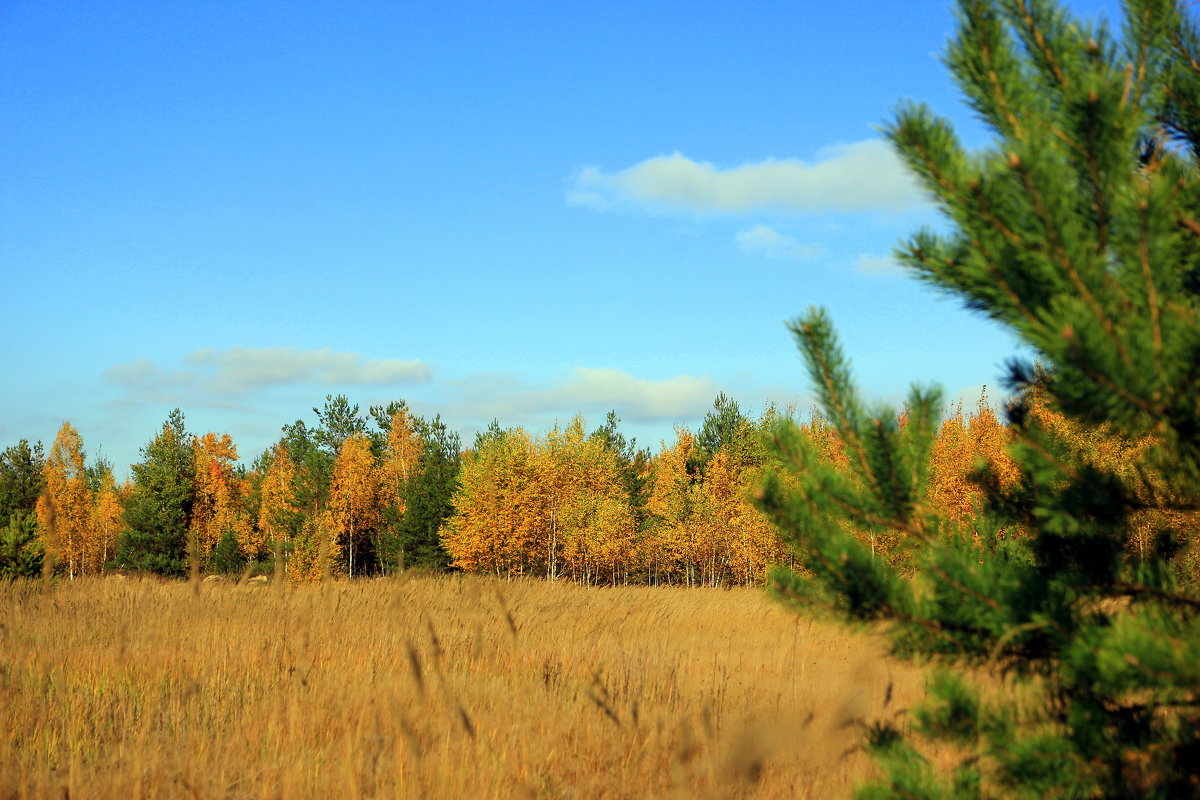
{"x":363,"y":494}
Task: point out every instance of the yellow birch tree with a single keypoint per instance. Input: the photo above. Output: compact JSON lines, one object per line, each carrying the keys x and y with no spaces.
{"x":669,"y":542}
{"x":104,"y":521}
{"x":217,"y":503}
{"x":68,"y":492}
{"x":402,"y":451}
{"x":278,"y":512}
{"x":499,"y":508}
{"x":355,"y":494}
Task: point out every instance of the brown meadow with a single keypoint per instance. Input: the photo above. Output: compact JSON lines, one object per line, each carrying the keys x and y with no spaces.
{"x":451,"y":686}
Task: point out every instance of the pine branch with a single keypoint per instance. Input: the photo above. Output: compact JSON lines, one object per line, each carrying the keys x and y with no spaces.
{"x":1039,"y":40}
{"x":1064,"y":260}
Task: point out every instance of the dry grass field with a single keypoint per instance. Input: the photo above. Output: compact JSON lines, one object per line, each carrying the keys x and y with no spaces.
{"x":429,"y":687}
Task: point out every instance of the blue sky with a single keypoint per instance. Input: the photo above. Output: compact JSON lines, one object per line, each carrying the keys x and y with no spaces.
{"x":519,"y":211}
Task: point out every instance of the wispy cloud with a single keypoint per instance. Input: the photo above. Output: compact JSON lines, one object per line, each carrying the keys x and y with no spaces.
{"x":640,"y":398}
{"x":225,"y":377}
{"x":765,"y":240}
{"x":239,"y":369}
{"x":585,"y":390}
{"x":862,"y":176}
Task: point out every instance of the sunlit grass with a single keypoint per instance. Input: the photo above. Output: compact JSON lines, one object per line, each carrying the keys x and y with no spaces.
{"x":429,"y":687}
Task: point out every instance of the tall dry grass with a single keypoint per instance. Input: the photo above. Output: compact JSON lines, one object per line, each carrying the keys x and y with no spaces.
{"x":429,"y":687}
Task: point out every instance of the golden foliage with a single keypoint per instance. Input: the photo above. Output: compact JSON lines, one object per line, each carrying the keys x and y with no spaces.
{"x":741,"y":543}
{"x":105,"y":519}
{"x":498,"y":509}
{"x":401,"y":455}
{"x":704,"y":529}
{"x":591,"y":528}
{"x":218,"y":504}
{"x":669,"y":534}
{"x":278,"y":511}
{"x":554,"y":507}
{"x":68,"y":492}
{"x":965,"y":445}
{"x":313,"y":554}
{"x":356,"y":497}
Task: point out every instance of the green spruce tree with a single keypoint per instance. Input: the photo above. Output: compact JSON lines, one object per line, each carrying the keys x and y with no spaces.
{"x":338,"y":422}
{"x":159,"y":511}
{"x":633,"y":463}
{"x":21,"y":550}
{"x":20,"y":478}
{"x":1079,"y":230}
{"x":414,"y":540}
{"x":726,"y":427}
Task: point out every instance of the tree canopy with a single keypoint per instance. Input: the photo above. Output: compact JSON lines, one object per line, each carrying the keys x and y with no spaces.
{"x":1077,"y":230}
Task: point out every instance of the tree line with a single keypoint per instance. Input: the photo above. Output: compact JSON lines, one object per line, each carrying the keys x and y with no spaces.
{"x":358,"y":494}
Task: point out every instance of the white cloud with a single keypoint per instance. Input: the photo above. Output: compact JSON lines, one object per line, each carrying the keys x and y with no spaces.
{"x":878,"y":265}
{"x":862,"y":176}
{"x":240,"y":369}
{"x":765,"y":240}
{"x":583,"y":390}
{"x":218,"y":377}
{"x":640,"y":399}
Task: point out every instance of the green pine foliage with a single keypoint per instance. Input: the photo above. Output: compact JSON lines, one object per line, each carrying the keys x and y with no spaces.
{"x":725,"y":426}
{"x":633,"y":463}
{"x":158,"y":513}
{"x":20,"y":478}
{"x":20,"y":547}
{"x":314,"y":463}
{"x":338,"y":422}
{"x":227,"y":557}
{"x":1078,"y":230}
{"x":414,"y":540}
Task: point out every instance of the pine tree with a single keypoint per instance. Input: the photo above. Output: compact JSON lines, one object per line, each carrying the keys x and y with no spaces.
{"x":338,"y":422}
{"x":427,"y":497}
{"x":20,"y":548}
{"x":21,"y":478}
{"x":726,"y":427}
{"x":159,"y":511}
{"x":1079,"y":230}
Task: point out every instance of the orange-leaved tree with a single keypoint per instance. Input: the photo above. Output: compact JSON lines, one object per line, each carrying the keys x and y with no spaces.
{"x":497,"y":508}
{"x":964,"y":446}
{"x":356,"y":493}
{"x":217,"y":506}
{"x":65,"y":506}
{"x":739,"y":543}
{"x":591,"y":519}
{"x":105,"y":521}
{"x":279,"y":515}
{"x":669,"y":540}
{"x":402,"y":452}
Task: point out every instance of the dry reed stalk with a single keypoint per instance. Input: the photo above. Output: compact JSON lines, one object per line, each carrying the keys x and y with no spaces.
{"x":138,"y":688}
{"x":194,"y":562}
{"x":51,"y":548}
